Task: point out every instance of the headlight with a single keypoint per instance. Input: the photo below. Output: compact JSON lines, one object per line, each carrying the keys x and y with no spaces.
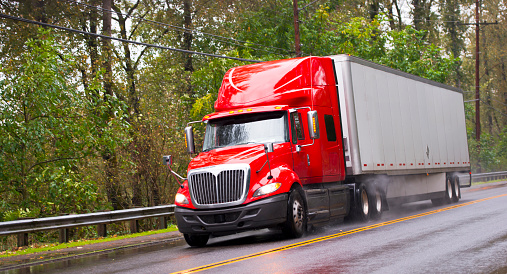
{"x":181,"y":199}
{"x":269,"y":188}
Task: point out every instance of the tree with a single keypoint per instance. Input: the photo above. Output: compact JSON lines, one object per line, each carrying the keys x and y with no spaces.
{"x":45,"y":129}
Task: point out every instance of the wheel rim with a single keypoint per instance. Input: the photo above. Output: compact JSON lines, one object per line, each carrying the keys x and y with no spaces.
{"x":297,"y":214}
{"x":378,"y":201}
{"x":449,"y":188}
{"x":456,"y":188}
{"x":364,"y":201}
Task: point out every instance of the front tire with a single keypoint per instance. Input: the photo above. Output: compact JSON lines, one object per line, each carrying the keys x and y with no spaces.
{"x":295,"y":226}
{"x":196,"y":240}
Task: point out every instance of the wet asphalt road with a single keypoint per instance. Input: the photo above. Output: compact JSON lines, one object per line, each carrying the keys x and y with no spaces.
{"x":467,"y":237}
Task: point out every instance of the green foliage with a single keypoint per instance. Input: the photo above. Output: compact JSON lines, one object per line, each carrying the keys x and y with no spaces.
{"x":490,"y":154}
{"x":410,"y":53}
{"x":207,"y":81}
{"x":323,"y":33}
{"x":272,"y":26}
{"x":49,"y":127}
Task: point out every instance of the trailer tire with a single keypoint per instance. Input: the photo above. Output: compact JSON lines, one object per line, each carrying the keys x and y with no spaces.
{"x":362,"y":210}
{"x":456,"y":191}
{"x":449,"y":190}
{"x":196,"y":240}
{"x":376,"y":206}
{"x":295,"y":226}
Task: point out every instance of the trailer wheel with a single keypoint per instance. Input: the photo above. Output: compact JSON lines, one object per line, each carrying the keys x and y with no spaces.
{"x":456,"y":193}
{"x":449,"y":190}
{"x":196,"y":240}
{"x":363,"y":204}
{"x":376,"y":204}
{"x":295,"y":225}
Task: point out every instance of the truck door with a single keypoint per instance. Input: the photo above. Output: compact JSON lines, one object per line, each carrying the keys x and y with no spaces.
{"x":300,"y":137}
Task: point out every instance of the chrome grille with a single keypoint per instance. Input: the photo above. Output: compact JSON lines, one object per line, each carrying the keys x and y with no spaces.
{"x":220,"y":185}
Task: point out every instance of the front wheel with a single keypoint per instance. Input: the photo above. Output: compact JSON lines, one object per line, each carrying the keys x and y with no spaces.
{"x":196,"y":240}
{"x":295,"y":226}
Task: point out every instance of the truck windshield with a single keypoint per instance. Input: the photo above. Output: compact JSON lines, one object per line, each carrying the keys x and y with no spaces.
{"x":257,"y":128}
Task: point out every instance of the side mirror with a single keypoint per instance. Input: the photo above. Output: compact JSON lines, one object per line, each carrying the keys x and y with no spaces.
{"x":313,"y":124}
{"x":189,"y":134}
{"x":167,"y":160}
{"x":268,"y":148}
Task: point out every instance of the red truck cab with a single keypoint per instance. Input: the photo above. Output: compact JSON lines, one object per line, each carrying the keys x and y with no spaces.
{"x":272,"y":154}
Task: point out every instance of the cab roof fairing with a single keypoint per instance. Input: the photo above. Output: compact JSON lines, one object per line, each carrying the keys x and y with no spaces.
{"x":287,"y":82}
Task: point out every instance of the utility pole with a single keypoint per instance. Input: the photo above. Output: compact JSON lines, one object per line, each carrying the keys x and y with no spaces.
{"x":296,"y":28}
{"x":477,"y":95}
{"x":477,"y":80}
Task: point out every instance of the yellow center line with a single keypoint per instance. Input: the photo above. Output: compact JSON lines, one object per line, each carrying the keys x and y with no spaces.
{"x":333,"y":236}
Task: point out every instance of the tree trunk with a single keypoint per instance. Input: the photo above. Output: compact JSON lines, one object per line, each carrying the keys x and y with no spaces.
{"x":373,"y":9}
{"x":398,"y":10}
{"x":187,"y":36}
{"x":109,"y":155}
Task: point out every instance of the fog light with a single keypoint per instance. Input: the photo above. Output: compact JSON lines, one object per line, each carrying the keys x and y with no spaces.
{"x":269,"y":188}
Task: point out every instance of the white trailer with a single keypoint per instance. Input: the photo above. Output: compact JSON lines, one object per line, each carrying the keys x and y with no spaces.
{"x":401,"y":131}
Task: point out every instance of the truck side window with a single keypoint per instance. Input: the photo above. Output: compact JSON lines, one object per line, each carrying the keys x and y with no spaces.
{"x":297,"y":128}
{"x":330,"y":130}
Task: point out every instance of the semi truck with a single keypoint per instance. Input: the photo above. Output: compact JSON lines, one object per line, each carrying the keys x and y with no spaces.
{"x":301,"y":142}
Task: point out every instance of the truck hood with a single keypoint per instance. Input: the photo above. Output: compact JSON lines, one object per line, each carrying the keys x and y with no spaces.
{"x":243,"y":154}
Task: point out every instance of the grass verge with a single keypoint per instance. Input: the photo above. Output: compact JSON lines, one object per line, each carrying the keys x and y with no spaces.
{"x":50,"y":247}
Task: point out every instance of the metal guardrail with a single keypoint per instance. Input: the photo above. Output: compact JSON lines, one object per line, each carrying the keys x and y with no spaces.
{"x":490,"y":176}
{"x":101,"y":219}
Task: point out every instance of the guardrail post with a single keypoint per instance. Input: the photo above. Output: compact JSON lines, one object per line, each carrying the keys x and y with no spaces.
{"x":134,"y":226}
{"x":102,"y":230}
{"x":22,"y":239}
{"x":63,"y":235}
{"x":162,"y":222}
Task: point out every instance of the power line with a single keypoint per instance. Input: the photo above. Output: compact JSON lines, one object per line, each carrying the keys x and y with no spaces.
{"x":123,"y":40}
{"x":488,"y":105}
{"x":489,"y":97}
{"x":178,"y":28}
{"x":300,"y":9}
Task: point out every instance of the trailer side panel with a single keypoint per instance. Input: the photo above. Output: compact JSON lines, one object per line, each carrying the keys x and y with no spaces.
{"x":396,"y":123}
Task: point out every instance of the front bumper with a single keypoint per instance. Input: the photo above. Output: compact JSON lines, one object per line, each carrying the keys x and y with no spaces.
{"x":267,"y":212}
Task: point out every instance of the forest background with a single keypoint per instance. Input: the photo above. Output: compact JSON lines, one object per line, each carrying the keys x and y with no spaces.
{"x":84,"y":121}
